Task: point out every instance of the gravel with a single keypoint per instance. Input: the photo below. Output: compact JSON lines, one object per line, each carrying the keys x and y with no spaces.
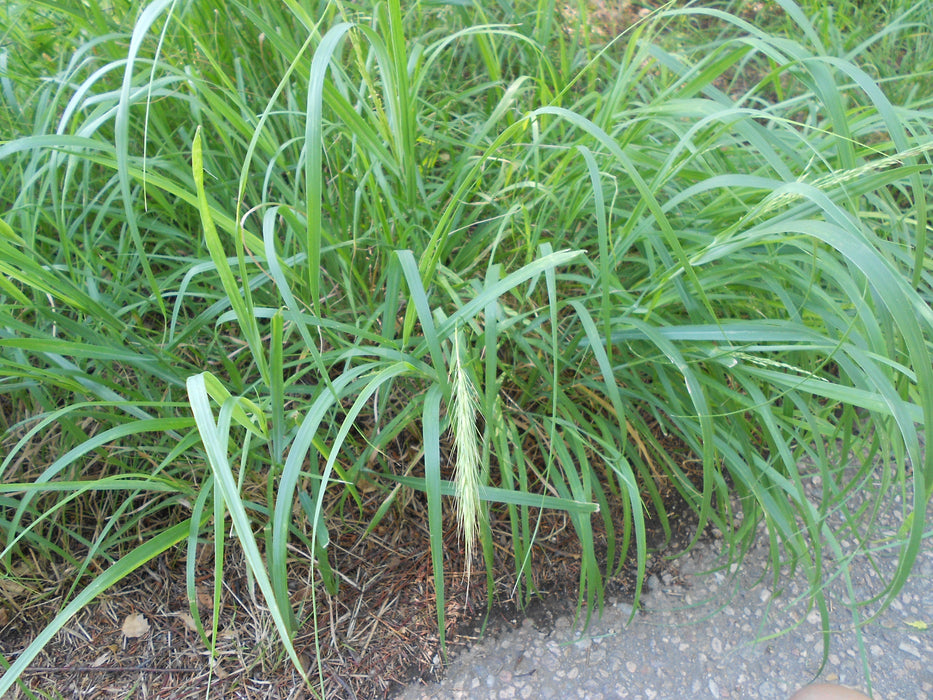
{"x":719,"y":630}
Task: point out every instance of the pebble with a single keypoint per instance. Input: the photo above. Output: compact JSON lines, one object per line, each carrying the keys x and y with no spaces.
{"x":767,"y":690}
{"x":910,"y":649}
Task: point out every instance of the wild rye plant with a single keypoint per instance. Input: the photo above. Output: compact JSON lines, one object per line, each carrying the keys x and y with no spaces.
{"x":234,"y":233}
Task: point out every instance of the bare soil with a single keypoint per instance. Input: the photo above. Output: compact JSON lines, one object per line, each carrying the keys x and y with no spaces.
{"x":372,"y":638}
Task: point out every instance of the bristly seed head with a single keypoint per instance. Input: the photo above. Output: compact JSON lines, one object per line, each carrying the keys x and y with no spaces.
{"x":466,"y":445}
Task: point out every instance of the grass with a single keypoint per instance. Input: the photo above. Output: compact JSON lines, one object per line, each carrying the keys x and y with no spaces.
{"x":250,"y":242}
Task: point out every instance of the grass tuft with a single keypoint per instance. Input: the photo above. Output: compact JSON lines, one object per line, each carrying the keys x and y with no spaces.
{"x":250,"y":251}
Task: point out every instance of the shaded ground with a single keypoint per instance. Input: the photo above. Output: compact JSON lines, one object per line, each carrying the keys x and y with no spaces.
{"x":378,"y":633}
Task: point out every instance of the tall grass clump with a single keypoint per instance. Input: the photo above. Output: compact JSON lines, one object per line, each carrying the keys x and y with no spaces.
{"x":248,"y":249}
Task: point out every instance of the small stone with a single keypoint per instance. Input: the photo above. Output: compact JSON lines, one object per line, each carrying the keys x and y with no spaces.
{"x":767,"y":690}
{"x":631,"y":666}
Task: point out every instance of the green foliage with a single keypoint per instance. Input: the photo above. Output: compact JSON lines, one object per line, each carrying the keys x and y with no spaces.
{"x":235,"y":233}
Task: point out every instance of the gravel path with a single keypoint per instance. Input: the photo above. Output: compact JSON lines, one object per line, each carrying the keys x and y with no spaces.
{"x":709,"y":635}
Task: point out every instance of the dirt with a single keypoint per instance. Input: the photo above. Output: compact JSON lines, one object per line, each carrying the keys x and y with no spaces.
{"x":375,"y":635}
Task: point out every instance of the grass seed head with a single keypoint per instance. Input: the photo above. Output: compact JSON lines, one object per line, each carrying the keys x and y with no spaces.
{"x":467,"y":453}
